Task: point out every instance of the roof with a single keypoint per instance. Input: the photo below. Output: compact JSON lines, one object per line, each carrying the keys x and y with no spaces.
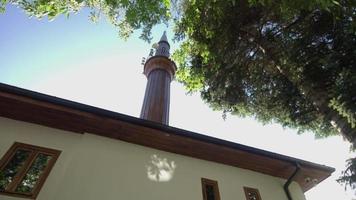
{"x":20,"y":104}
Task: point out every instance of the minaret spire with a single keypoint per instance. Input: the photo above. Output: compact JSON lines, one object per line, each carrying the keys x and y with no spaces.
{"x":163,"y":46}
{"x":159,"y":70}
{"x":164,"y":37}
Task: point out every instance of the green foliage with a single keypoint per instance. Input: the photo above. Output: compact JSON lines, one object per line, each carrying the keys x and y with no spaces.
{"x":125,"y":15}
{"x":289,"y":7}
{"x":2,"y":5}
{"x":273,"y":61}
{"x":193,"y":78}
{"x":349,"y":174}
{"x":341,"y":108}
{"x":290,"y":62}
{"x":345,"y":94}
{"x":264,"y":58}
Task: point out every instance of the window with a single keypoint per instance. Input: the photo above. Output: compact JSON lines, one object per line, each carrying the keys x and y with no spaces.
{"x":24,"y":169}
{"x":252,"y":194}
{"x":210,"y":189}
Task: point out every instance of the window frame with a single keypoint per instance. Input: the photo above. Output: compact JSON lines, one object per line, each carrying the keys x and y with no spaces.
{"x":204,"y":182}
{"x":254,"y":190}
{"x":20,"y":175}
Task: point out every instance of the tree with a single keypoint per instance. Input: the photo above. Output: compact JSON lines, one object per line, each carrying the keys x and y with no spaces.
{"x":125,"y":15}
{"x":290,"y":62}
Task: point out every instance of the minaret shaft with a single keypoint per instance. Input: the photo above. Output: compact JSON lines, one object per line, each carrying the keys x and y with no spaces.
{"x":156,"y":103}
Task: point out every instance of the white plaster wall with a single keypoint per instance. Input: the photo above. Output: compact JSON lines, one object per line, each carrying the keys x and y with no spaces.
{"x":92,"y":167}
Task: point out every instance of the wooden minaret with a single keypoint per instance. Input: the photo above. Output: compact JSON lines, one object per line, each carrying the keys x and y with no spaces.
{"x":159,"y":70}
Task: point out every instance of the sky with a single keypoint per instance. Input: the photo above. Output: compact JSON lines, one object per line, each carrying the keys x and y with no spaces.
{"x":87,"y":62}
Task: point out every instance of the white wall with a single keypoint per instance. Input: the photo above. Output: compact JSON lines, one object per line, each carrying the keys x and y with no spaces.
{"x":92,"y":167}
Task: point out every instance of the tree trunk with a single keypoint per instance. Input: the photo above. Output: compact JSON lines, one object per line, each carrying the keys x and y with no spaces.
{"x":321,"y":102}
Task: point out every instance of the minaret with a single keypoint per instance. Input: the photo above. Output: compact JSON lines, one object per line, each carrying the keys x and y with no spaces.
{"x":159,"y":70}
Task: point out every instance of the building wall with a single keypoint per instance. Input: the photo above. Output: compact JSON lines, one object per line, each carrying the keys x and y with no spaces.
{"x":92,"y":167}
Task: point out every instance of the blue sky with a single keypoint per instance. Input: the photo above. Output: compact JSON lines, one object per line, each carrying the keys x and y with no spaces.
{"x":85,"y":62}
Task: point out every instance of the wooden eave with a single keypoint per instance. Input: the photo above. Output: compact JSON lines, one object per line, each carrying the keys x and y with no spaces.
{"x":33,"y":107}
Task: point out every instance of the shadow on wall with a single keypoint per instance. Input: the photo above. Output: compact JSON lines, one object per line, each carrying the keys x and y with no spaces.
{"x":160,"y":169}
